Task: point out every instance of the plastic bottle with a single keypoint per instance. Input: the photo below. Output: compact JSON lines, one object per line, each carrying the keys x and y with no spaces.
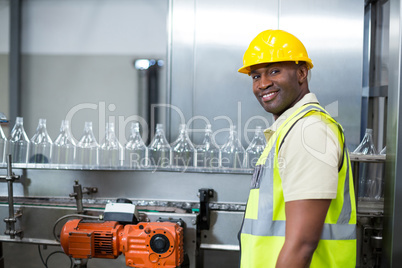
{"x":136,"y":152}
{"x":208,"y":151}
{"x":3,"y":146}
{"x":183,"y":149}
{"x":88,"y":148}
{"x":18,"y":142}
{"x":366,"y":146}
{"x":159,"y":149}
{"x":369,"y":184}
{"x":64,"y":147}
{"x":111,"y":152}
{"x":232,"y":152}
{"x":41,"y":145}
{"x":255,"y":148}
{"x":3,"y":118}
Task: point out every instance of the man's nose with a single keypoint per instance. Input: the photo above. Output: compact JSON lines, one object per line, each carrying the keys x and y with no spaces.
{"x":266,"y":82}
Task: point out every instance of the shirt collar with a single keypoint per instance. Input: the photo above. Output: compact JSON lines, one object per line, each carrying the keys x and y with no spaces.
{"x":308,"y":98}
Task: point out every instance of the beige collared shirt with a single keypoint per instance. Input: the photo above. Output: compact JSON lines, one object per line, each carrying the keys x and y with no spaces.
{"x":311,"y":155}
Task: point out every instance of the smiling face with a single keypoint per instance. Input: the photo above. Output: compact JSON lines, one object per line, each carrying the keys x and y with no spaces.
{"x":280,"y":85}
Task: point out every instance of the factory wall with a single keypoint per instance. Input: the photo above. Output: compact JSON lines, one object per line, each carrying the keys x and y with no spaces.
{"x":4,"y":33}
{"x":210,"y":37}
{"x":77,"y":58}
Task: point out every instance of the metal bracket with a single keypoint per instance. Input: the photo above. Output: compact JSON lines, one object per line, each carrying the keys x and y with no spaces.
{"x":204,"y":216}
{"x":16,"y":222}
{"x":180,"y":222}
{"x":12,"y":216}
{"x":78,"y":194}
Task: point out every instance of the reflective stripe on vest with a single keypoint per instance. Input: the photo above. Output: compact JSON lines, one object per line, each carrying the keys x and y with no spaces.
{"x":342,"y":230}
{"x":264,"y":225}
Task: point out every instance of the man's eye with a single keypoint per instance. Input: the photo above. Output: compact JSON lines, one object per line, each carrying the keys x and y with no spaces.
{"x":274,"y":71}
{"x":255,"y":76}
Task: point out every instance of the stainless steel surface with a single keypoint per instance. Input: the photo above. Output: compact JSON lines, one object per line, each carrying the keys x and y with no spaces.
{"x":205,"y":82}
{"x":378,"y":158}
{"x":393,"y":185}
{"x":375,"y":65}
{"x":225,"y":226}
{"x":91,"y":76}
{"x":78,"y":194}
{"x":150,"y":94}
{"x":35,"y":241}
{"x":148,"y":185}
{"x":206,"y":52}
{"x":333,"y":36}
{"x":12,"y":215}
{"x":181,"y":74}
{"x":15,"y":108}
{"x":45,"y":192}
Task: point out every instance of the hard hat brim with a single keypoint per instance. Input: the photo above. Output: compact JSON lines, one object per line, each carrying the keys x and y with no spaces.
{"x":247,"y":69}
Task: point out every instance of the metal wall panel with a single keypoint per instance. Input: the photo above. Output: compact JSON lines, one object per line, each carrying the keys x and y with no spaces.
{"x":332,"y":32}
{"x":392,"y":247}
{"x":182,"y":64}
{"x":4,"y":56}
{"x":215,"y":92}
{"x":86,"y":64}
{"x":4,"y":26}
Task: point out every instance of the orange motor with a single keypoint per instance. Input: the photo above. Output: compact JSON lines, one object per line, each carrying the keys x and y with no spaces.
{"x":84,"y":240}
{"x":145,"y":245}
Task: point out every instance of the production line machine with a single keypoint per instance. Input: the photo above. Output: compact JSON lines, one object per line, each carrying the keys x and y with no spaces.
{"x":139,"y":218}
{"x":119,"y":218}
{"x":144,"y":244}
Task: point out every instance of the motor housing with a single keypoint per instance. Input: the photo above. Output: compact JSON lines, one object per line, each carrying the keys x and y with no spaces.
{"x":145,"y":245}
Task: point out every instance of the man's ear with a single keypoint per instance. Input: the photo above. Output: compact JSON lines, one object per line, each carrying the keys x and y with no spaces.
{"x":302,"y":73}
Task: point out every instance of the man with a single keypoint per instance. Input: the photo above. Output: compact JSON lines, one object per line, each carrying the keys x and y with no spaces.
{"x":301,"y":209}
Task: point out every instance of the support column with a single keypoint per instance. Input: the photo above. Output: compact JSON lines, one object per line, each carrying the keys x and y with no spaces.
{"x":392,"y":246}
{"x":15,"y":61}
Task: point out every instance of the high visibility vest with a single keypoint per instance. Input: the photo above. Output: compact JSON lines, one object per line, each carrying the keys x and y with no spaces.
{"x":263,"y":230}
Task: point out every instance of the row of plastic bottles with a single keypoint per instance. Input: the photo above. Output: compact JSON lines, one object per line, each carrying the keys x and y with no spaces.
{"x":371,"y":174}
{"x":87,"y":153}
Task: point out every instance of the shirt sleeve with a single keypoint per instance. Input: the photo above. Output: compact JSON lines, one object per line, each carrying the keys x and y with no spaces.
{"x":310,"y":157}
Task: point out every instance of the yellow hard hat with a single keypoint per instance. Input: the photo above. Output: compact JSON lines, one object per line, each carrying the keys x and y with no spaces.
{"x":274,"y":46}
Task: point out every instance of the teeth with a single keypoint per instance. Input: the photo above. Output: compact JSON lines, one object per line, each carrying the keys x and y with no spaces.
{"x":269,"y":94}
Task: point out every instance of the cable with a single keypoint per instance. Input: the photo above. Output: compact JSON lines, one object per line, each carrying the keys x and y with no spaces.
{"x":61,"y":252}
{"x":45,"y":263}
{"x":70,"y":216}
{"x":41,"y":257}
